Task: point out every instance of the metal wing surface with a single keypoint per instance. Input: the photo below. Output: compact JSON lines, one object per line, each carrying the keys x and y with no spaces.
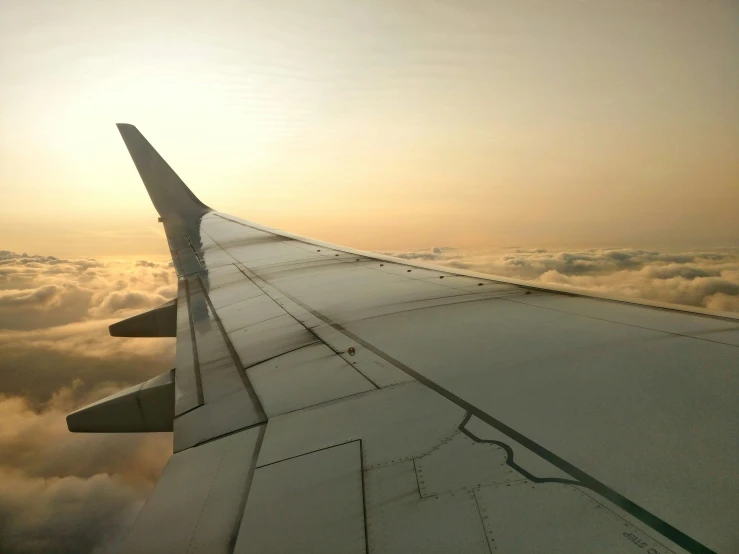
{"x":333,"y":400}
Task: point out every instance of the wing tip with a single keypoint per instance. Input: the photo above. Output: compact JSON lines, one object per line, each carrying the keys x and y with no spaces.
{"x":123,"y":127}
{"x":168,"y":193}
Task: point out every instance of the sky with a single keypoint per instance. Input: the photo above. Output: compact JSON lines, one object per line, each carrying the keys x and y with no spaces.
{"x":380,"y":125}
{"x":583,"y":143}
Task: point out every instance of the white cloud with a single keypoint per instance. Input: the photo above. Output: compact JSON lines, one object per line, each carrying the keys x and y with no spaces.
{"x":65,"y":492}
{"x":54,"y":291}
{"x":43,"y":297}
{"x":708,"y":279}
{"x":64,"y":515}
{"x":61,"y":491}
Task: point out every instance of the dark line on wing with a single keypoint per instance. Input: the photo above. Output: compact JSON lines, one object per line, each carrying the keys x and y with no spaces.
{"x":247,"y":488}
{"x":364,"y":497}
{"x":306,"y":453}
{"x":177,"y":264}
{"x":140,"y":407}
{"x":195,"y":359}
{"x":329,"y":401}
{"x":353,"y":366}
{"x":280,"y":354}
{"x":361,"y":476}
{"x":235,"y":357}
{"x":418,"y":483}
{"x":482,"y":522}
{"x":638,"y":302}
{"x":463,"y":299}
{"x":207,"y":496}
{"x":243,"y":269}
{"x":509,"y":458}
{"x":656,"y":523}
{"x":187,"y":411}
{"x":227,"y":434}
{"x":301,"y":265}
{"x":255,"y":322}
{"x":623,"y":323}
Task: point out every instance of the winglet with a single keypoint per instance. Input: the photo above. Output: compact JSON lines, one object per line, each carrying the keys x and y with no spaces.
{"x":170,"y":196}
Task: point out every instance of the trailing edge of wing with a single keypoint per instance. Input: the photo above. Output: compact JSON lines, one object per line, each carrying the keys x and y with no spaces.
{"x":170,"y":196}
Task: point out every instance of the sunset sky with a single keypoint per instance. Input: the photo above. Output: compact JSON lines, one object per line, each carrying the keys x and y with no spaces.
{"x":381,"y":125}
{"x":582,"y":143}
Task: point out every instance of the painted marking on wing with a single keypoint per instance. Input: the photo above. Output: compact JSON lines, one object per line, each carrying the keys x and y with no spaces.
{"x":509,"y":457}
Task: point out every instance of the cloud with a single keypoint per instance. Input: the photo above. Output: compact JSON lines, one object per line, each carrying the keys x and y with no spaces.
{"x":62,"y":491}
{"x":119,"y":301}
{"x":39,"y":362}
{"x":65,"y":515}
{"x":708,"y":279}
{"x":696,"y":291}
{"x":54,"y":291}
{"x":35,"y":439}
{"x":723,"y":302}
{"x":531,"y":263}
{"x":54,"y":318}
{"x":41,"y":297}
{"x":68,"y":492}
{"x":432,"y":254}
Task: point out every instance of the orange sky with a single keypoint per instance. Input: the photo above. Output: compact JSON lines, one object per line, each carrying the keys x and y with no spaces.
{"x":381,"y":125}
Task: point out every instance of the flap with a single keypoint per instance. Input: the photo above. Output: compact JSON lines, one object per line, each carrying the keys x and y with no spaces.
{"x":159,"y":322}
{"x":147,"y":407}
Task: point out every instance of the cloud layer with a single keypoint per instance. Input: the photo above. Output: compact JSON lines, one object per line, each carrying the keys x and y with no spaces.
{"x":54,"y":291}
{"x":78,"y":493}
{"x":708,"y":279}
{"x":64,"y":492}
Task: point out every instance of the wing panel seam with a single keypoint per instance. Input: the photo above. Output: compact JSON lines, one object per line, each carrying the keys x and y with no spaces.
{"x":234,"y":356}
{"x":247,"y":488}
{"x":508,"y":299}
{"x":195,"y":359}
{"x":244,"y":271}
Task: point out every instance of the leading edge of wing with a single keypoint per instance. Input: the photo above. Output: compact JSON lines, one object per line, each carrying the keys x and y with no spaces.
{"x":571,"y":291}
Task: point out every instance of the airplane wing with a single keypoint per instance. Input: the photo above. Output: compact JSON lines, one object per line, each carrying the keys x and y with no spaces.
{"x":327,"y":400}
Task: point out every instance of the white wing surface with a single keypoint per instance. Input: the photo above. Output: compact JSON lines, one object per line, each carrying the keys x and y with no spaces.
{"x":333,"y":400}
